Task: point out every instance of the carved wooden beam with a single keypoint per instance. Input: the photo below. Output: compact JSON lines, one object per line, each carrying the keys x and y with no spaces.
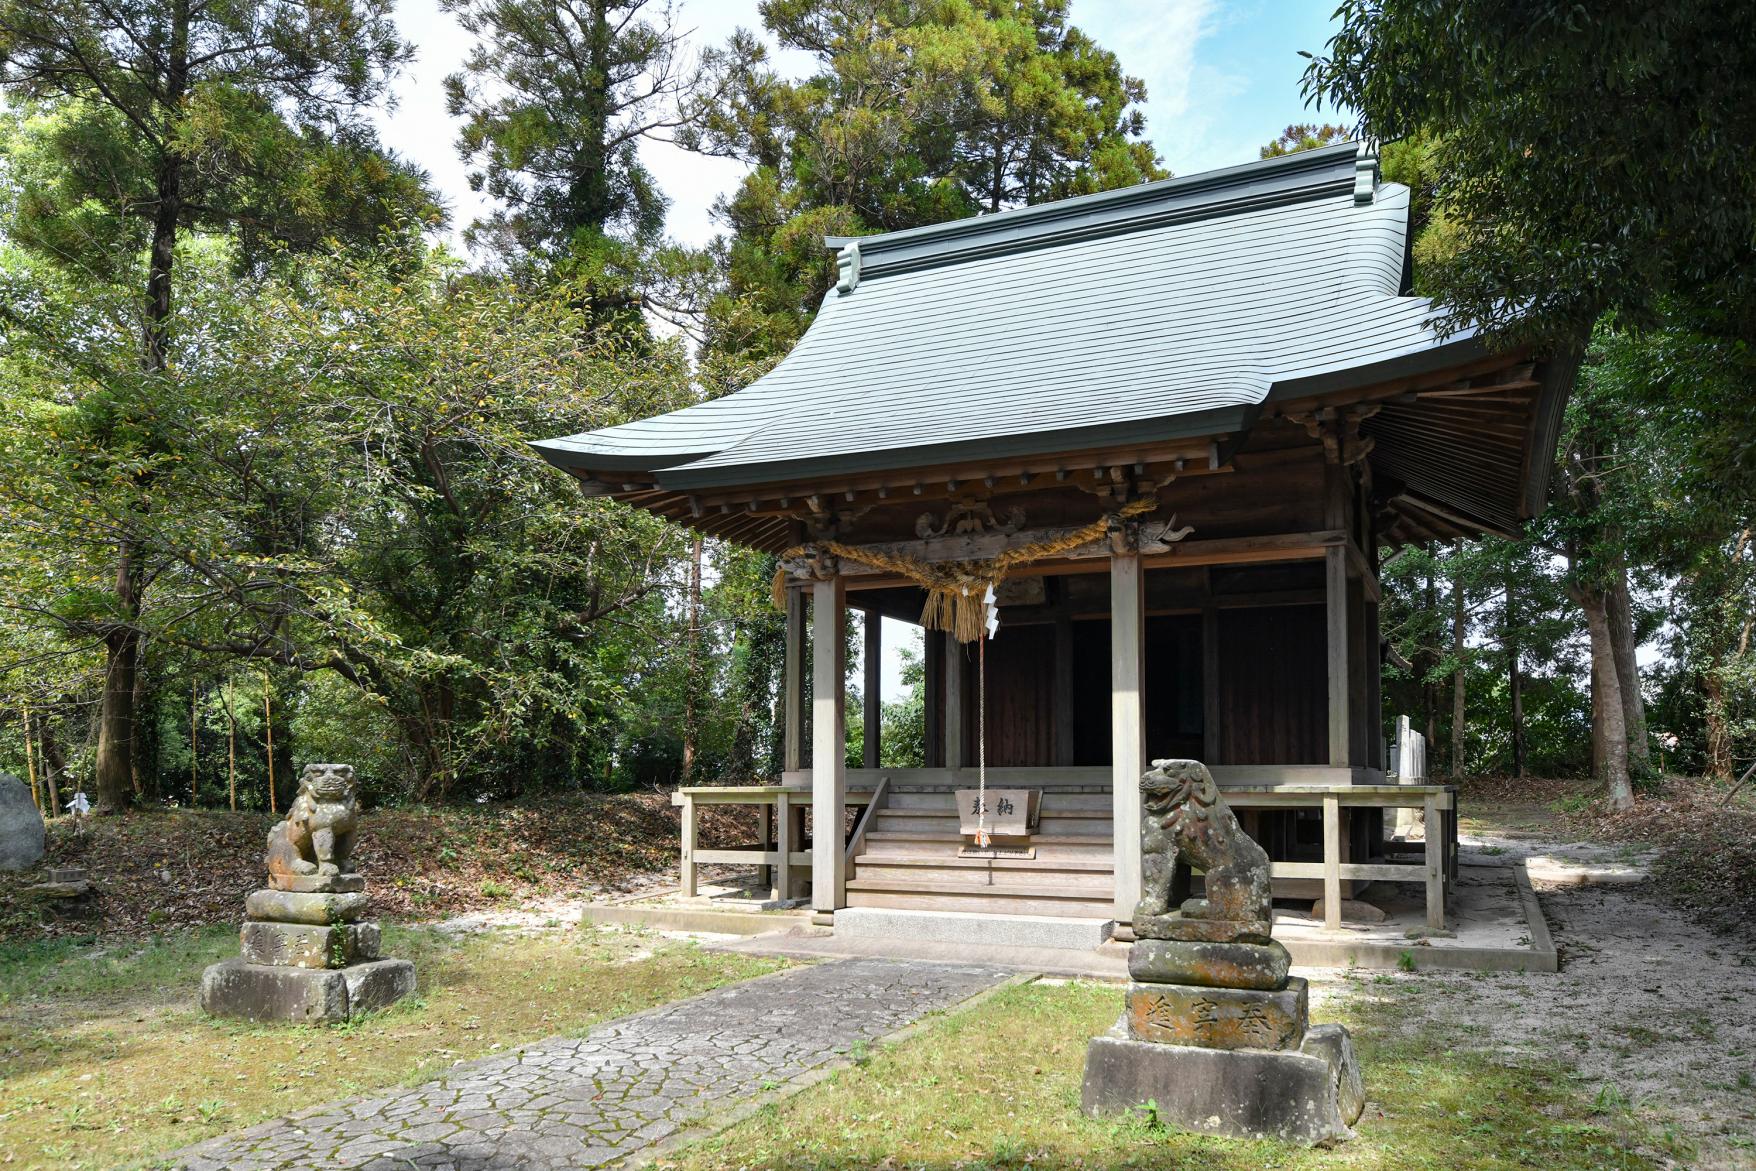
{"x":1339,"y":430}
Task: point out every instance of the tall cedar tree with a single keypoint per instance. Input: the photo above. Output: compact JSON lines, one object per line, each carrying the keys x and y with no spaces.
{"x":555,"y":101}
{"x":233,"y":117}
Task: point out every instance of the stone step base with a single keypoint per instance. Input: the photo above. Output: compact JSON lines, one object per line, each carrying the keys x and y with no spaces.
{"x":973,"y":929}
{"x":306,"y":996}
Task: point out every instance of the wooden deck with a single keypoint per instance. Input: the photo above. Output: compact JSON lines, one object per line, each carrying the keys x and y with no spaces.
{"x":903,"y":852}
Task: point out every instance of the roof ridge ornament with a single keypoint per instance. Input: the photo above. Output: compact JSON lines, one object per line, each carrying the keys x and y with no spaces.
{"x":1366,"y":171}
{"x":847,"y":268}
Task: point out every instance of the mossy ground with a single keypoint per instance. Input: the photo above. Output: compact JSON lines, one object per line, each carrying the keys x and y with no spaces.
{"x":105,"y":1060}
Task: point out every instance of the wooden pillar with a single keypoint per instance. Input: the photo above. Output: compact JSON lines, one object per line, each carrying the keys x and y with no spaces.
{"x":1434,"y":856}
{"x":687,"y":875}
{"x":1332,"y":862}
{"x":1210,"y":711}
{"x":1065,"y":731}
{"x":954,"y":681}
{"x":871,"y":663}
{"x":1127,"y":723}
{"x":793,"y":696}
{"x":828,"y":744}
{"x":933,"y":681}
{"x":1336,"y":606}
{"x":783,"y":845}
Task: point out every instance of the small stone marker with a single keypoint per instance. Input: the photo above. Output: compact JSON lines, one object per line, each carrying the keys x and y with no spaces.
{"x":306,"y":956}
{"x":1215,"y":1033}
{"x":21,"y":826}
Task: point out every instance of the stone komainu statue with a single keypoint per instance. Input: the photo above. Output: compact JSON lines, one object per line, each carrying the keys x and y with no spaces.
{"x":1184,"y":823}
{"x":317,"y":837}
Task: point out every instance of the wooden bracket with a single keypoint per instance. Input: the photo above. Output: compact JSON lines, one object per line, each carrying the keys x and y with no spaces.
{"x":1339,"y":430}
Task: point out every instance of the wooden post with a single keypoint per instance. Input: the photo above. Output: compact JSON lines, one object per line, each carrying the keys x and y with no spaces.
{"x":1127,"y":724}
{"x":933,"y":684}
{"x":828,"y":744}
{"x":872,"y":663}
{"x":1434,"y":856}
{"x":1335,"y":598}
{"x":1210,"y":710}
{"x":783,"y":845}
{"x":268,"y":731}
{"x":30,"y":765}
{"x":765,"y":832}
{"x":1066,"y":733}
{"x":1331,"y":862}
{"x":793,"y":704}
{"x":954,"y":680}
{"x":686,"y":868}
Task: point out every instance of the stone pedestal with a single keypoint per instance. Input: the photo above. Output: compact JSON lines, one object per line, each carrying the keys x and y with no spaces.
{"x":1311,"y":1094}
{"x":304,"y":996}
{"x":306,"y":960}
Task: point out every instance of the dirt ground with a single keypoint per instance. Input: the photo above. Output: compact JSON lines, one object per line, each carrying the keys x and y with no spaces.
{"x":1655,"y":1011}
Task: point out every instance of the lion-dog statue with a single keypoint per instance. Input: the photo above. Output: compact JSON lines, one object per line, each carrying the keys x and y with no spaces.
{"x":317,"y":836}
{"x":1185,"y":823}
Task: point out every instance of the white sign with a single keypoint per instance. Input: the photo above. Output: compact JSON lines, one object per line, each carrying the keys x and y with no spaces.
{"x":1008,"y":812}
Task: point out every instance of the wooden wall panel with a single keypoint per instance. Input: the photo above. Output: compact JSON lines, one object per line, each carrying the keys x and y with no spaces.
{"x":1273,"y":685}
{"x":1021,"y":696}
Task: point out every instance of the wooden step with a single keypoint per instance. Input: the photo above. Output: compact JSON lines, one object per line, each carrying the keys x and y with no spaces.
{"x":892,"y":857}
{"x":1051,"y":802}
{"x":956,"y":873}
{"x":1064,"y":845}
{"x":893,"y":895}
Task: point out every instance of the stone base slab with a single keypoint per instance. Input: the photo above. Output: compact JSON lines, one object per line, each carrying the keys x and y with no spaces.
{"x":1179,"y":926}
{"x":281,"y":906}
{"x":306,"y":945}
{"x":972,"y":928}
{"x":1261,"y":966}
{"x":1311,"y":1096}
{"x":318,"y":883}
{"x":1218,"y":1018}
{"x":305,"y":996}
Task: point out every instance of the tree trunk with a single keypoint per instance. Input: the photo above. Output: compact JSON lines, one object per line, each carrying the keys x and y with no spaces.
{"x":113,"y":771}
{"x":54,"y":762}
{"x":1608,"y":726}
{"x":1620,"y":609}
{"x":30,"y":763}
{"x":1457,"y":651}
{"x":1719,"y":735}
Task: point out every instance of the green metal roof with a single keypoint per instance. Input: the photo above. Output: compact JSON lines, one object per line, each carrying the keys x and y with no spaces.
{"x":1160,"y":311}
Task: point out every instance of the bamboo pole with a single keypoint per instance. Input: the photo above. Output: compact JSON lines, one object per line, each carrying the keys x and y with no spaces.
{"x":268,"y":731}
{"x":194,"y":785}
{"x":231,"y":750}
{"x":30,"y":764}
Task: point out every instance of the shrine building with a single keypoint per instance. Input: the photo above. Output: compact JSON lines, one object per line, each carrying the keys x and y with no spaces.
{"x":1181,"y":424}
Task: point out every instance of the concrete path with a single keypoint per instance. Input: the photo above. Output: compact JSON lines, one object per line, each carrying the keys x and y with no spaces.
{"x":627,"y":1085}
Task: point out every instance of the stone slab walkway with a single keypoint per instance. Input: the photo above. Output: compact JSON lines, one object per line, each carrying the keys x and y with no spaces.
{"x":628,"y":1084}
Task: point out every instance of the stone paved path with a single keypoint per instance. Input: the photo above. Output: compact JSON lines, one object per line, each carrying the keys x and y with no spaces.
{"x":629,"y":1083}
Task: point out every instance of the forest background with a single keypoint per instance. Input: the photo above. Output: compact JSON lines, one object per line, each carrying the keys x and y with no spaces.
{"x":264,"y":490}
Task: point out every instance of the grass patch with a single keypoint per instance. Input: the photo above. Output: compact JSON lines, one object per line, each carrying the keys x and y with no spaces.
{"x":998,"y":1087}
{"x":105,"y":1059}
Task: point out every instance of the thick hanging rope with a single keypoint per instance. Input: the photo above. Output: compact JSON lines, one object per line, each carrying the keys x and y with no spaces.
{"x":956,"y":589}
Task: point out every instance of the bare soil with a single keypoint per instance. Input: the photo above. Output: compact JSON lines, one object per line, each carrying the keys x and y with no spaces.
{"x":1653,"y":1007}
{"x":158,"y":871}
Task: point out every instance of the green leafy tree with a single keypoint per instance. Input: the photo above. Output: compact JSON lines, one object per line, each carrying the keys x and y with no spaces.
{"x":914,"y":113}
{"x":1597,"y":160}
{"x":156,"y":118}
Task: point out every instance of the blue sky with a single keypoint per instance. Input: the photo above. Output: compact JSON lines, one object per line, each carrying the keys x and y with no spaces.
{"x":1221,"y":78}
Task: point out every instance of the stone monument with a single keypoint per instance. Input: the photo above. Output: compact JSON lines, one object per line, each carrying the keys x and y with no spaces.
{"x":1215,"y":1032}
{"x":21,"y":826}
{"x":307,"y":957}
